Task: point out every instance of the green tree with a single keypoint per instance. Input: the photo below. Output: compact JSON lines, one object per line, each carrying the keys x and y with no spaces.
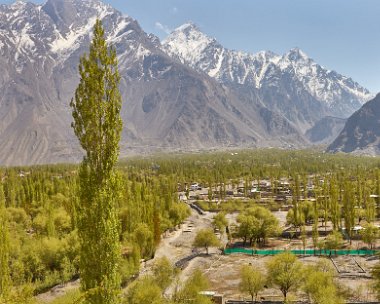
{"x":285,"y":272}
{"x":256,"y":224}
{"x":303,"y":237}
{"x":189,"y":292}
{"x":146,"y":291}
{"x":206,"y":238}
{"x":4,"y":247}
{"x":20,"y":295}
{"x":97,"y":124}
{"x":163,"y":272}
{"x":334,"y":203}
{"x":348,"y":209}
{"x":319,"y":285}
{"x":252,"y":281}
{"x":334,"y":241}
{"x":143,"y":236}
{"x":370,"y":233}
{"x":220,"y":222}
{"x":315,"y":235}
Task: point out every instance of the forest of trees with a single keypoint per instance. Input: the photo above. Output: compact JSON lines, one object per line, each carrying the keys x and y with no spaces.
{"x":41,"y":212}
{"x":40,"y":204}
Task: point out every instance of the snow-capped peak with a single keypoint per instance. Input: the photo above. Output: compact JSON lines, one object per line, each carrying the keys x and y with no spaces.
{"x":296,"y":54}
{"x":295,"y":57}
{"x":190,"y":35}
{"x":74,"y":20}
{"x":193,"y":47}
{"x":186,"y":27}
{"x":19,"y":4}
{"x":188,"y":43}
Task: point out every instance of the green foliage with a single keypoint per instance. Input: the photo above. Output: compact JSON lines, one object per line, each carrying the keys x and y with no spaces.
{"x":300,"y":214}
{"x":206,"y":238}
{"x":97,"y":124}
{"x":20,"y":295}
{"x":143,"y":237}
{"x":257,"y":224}
{"x":220,"y":221}
{"x":315,"y":235}
{"x":370,"y":233}
{"x":71,"y":297}
{"x":42,"y":205}
{"x":144,"y":290}
{"x":303,"y":237}
{"x":252,"y":281}
{"x":349,"y":208}
{"x":4,"y":247}
{"x":334,"y":241}
{"x":190,"y":290}
{"x":163,"y":272}
{"x":320,"y":286}
{"x":178,"y":212}
{"x":285,"y":272}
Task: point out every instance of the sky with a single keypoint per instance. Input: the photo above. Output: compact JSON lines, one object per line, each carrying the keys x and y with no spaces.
{"x":341,"y":35}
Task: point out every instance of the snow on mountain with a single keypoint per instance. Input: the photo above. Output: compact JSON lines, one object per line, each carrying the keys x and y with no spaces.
{"x":341,"y":95}
{"x":194,"y":48}
{"x":166,"y":104}
{"x":325,"y":85}
{"x":201,"y":96}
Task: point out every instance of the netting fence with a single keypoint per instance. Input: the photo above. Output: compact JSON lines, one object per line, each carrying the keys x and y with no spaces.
{"x":300,"y":251}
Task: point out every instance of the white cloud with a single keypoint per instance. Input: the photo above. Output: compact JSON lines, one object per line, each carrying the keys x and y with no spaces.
{"x":162,"y":27}
{"x":174,"y":10}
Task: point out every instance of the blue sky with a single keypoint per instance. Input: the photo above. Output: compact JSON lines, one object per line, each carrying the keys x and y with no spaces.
{"x":342,"y":35}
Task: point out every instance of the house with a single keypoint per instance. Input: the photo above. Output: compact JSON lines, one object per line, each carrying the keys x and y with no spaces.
{"x":255,"y":193}
{"x":215,"y":297}
{"x":195,"y":186}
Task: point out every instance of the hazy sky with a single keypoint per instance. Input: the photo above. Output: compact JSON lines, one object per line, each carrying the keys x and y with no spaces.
{"x":343,"y":35}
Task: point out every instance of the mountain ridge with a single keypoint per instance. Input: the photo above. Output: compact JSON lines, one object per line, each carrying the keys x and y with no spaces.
{"x":336,"y":95}
{"x":361,"y":133}
{"x":166,"y":105}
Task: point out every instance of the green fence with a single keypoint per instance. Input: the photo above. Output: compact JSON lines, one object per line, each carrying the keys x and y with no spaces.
{"x":300,"y":252}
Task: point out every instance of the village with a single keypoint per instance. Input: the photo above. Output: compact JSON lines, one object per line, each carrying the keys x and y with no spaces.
{"x":352,"y":259}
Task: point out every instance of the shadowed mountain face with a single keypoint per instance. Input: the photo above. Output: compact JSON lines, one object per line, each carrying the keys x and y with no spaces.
{"x":325,"y":130}
{"x":166,"y":104}
{"x":361,"y":134}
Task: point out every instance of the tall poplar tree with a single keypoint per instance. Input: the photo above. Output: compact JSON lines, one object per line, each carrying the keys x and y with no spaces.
{"x":4,"y":247}
{"x":97,"y":124}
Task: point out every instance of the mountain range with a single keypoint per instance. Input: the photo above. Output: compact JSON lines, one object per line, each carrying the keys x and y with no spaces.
{"x":361,"y":133}
{"x":187,"y":93}
{"x":292,"y":83}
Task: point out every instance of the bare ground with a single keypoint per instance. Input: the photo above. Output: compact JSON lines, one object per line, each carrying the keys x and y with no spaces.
{"x":223,"y":271}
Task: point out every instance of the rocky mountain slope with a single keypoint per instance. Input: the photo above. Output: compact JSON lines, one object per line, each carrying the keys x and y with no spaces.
{"x":361,"y":134}
{"x":293,"y":84}
{"x":165,"y":103}
{"x":326,"y":130}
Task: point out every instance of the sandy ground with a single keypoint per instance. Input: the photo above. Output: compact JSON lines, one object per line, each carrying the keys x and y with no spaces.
{"x":223,"y":271}
{"x":57,"y":291}
{"x":352,"y":273}
{"x":175,"y":246}
{"x":178,"y":244}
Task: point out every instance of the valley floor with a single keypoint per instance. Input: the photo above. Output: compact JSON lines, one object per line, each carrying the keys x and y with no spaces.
{"x":353,"y":273}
